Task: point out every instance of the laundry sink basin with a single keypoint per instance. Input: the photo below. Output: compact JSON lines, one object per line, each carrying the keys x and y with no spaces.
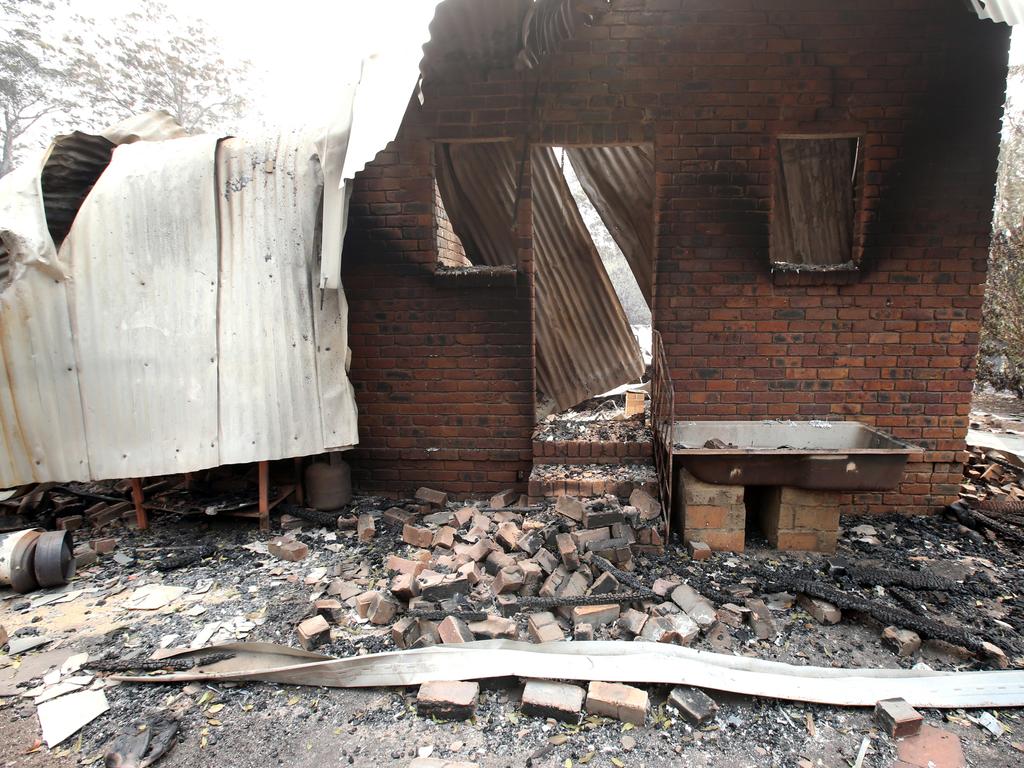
{"x":817,"y":455}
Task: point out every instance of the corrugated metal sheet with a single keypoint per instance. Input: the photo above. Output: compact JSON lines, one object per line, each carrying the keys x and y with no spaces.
{"x":269,"y":192}
{"x":584,"y":342}
{"x":74,"y":161}
{"x":179,"y":328}
{"x":41,"y":427}
{"x":477,"y":35}
{"x":1008,"y":11}
{"x":620,"y":183}
{"x":547,"y":24}
{"x":473,"y":35}
{"x":478,"y":187}
{"x":585,"y":345}
{"x":143,"y":295}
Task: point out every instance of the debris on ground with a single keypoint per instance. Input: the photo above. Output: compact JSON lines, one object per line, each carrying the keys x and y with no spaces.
{"x":909,"y":591}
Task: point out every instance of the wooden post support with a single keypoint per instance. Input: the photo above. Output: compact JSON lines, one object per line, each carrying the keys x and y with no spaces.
{"x":264,"y":481}
{"x":140,"y":512}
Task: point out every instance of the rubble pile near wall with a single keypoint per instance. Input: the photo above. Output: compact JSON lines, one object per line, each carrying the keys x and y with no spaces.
{"x":384,"y":574}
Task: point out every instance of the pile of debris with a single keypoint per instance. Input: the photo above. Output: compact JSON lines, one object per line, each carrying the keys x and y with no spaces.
{"x":992,"y":491}
{"x":469,"y":569}
{"x":603,"y":421}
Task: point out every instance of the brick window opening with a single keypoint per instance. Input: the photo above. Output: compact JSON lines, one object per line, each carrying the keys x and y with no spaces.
{"x":813,"y":205}
{"x":475,"y":187}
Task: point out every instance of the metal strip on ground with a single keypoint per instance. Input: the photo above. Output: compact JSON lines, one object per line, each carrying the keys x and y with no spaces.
{"x":613,"y":662}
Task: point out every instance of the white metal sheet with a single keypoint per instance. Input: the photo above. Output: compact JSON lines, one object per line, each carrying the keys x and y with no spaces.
{"x":269,"y":192}
{"x":1008,"y":11}
{"x":143,"y":299}
{"x":41,"y":428}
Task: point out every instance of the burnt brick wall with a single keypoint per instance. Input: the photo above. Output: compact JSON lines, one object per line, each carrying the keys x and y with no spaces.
{"x":711,"y":83}
{"x":443,"y":373}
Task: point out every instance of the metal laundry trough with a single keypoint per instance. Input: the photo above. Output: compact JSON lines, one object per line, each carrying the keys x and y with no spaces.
{"x":35,"y":558}
{"x":816,"y":455}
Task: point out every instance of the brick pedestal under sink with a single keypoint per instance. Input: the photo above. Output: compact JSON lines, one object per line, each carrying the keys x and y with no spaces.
{"x":714,"y":514}
{"x":797,"y":519}
{"x":790,"y":518}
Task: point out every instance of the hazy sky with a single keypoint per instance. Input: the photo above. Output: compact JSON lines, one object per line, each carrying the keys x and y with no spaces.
{"x":301,"y":50}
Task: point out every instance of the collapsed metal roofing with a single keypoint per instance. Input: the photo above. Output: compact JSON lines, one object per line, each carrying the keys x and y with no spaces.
{"x":584,"y":342}
{"x":144,"y":345}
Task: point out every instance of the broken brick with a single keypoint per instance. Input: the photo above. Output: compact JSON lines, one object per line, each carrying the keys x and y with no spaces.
{"x":447,"y":700}
{"x":313,"y":631}
{"x":103,"y":546}
{"x":454,"y":630}
{"x":381,"y":608}
{"x":903,"y":641}
{"x":398,"y":516}
{"x":404,"y":587}
{"x":569,"y":507}
{"x":601,"y":517}
{"x":823,"y":612}
{"x":397,"y":564}
{"x":70,"y":523}
{"x":507,"y":535}
{"x":366,"y":529}
{"x":585,"y":538}
{"x":663,"y":587}
{"x":436,"y":587}
{"x":675,"y":628}
{"x":496,"y":560}
{"x":533,"y":574}
{"x":649,"y":506}
{"x":595,"y":615}
{"x":760,"y":619}
{"x":694,"y":605}
{"x":495,"y":628}
{"x":504,"y":499}
{"x":698,"y":550}
{"x":405,"y":632}
{"x":343,"y":590}
{"x":732,"y":615}
{"x":561,"y":701}
{"x":546,"y":560}
{"x":622,"y":702}
{"x":444,"y":537}
{"x":632,"y":621}
{"x":293,"y":523}
{"x":84,"y":557}
{"x":582,"y":632}
{"x":693,"y":704}
{"x":604,"y":584}
{"x":531,"y":542}
{"x":567,"y":551}
{"x":432,"y":497}
{"x":330,"y":609}
{"x":462,"y":517}
{"x":509,"y":579}
{"x":286,"y":548}
{"x":897,"y":718}
{"x":417,"y":537}
{"x":544,"y":628}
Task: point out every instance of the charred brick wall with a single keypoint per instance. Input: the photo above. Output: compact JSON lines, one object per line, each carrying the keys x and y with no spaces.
{"x":711,"y":83}
{"x":442,"y":368}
